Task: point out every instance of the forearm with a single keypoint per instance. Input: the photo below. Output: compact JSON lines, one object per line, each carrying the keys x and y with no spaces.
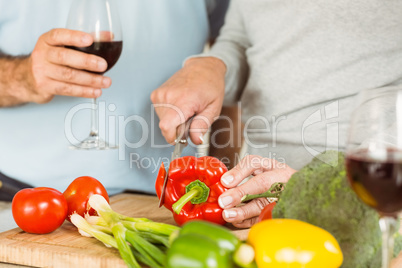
{"x":15,"y":80}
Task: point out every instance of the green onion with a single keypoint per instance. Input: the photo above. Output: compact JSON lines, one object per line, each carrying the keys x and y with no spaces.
{"x":136,"y":238}
{"x":125,"y":218}
{"x":96,"y":220}
{"x":152,"y":227}
{"x":119,"y":233}
{"x":155,"y":238}
{"x":83,"y":225}
{"x":149,"y":251}
{"x":106,"y":230}
{"x":140,"y":258}
{"x":103,"y":208}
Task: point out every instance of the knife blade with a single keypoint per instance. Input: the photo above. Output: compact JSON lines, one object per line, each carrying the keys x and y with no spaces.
{"x":181,"y":142}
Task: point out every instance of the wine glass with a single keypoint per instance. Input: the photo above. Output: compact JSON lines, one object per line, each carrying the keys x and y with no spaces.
{"x":374,"y":158}
{"x":99,"y":18}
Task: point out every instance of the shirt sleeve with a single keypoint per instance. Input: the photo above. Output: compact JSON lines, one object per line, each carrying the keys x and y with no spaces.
{"x":230,"y":47}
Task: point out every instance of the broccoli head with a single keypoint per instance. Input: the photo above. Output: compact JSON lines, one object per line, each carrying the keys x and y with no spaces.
{"x":320,"y":194}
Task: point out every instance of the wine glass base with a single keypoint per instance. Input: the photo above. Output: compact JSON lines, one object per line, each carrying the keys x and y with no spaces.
{"x":93,"y":143}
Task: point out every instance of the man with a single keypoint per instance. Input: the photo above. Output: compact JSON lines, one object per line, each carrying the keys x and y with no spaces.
{"x":42,"y":95}
{"x":296,"y":67}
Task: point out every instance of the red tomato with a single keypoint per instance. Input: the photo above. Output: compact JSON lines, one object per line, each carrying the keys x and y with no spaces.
{"x":78,"y":193}
{"x":39,"y":210}
{"x":266,"y":213}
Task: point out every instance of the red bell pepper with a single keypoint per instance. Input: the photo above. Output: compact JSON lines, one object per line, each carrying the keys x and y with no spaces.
{"x":193,"y":188}
{"x":266,"y":212}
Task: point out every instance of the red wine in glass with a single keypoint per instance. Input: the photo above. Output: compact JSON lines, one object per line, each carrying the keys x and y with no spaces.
{"x":378,"y":182}
{"x":109,"y":50}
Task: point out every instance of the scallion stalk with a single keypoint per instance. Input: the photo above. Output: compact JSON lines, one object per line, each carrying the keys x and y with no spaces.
{"x":96,"y":220}
{"x":119,"y":233}
{"x":135,"y":238}
{"x":126,"y":218}
{"x":152,"y":227}
{"x":83,"y":225}
{"x":155,"y":238}
{"x":102,"y":207}
{"x":141,"y":258}
{"x":149,"y":251}
{"x":104,"y":229}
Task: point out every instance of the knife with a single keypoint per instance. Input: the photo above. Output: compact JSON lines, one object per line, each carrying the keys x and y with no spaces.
{"x":181,"y":142}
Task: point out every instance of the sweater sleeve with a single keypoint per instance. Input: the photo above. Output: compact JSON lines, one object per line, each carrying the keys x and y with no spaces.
{"x":230,"y":47}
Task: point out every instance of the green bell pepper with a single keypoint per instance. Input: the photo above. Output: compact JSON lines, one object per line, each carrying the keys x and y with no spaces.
{"x":202,"y":244}
{"x":221,"y":235}
{"x":196,"y":251}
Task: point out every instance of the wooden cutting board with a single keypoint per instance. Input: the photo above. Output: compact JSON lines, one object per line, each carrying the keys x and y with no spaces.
{"x":65,"y":247}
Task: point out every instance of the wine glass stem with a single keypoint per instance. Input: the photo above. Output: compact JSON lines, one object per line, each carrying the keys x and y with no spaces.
{"x":94,"y":121}
{"x":388,"y":226}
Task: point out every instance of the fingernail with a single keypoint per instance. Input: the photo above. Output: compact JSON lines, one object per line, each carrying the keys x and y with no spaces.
{"x":229,"y":213}
{"x":97,"y":92}
{"x":86,"y":39}
{"x":102,"y":65}
{"x":106,"y":82}
{"x":225,"y":201}
{"x":202,"y":138}
{"x":227,"y":179}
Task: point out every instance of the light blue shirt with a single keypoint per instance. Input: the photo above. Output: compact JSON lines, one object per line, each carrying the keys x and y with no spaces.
{"x":34,"y":138}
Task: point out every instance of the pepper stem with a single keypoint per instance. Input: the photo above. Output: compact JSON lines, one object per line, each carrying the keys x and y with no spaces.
{"x":197,"y":192}
{"x":274,"y":192}
{"x":185,"y":199}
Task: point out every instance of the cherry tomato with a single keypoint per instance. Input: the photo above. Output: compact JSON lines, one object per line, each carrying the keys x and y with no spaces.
{"x":266,"y":213}
{"x":39,"y":210}
{"x":78,"y":193}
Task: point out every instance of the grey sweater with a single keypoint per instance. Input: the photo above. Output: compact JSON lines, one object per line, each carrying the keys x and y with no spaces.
{"x":296,"y":66}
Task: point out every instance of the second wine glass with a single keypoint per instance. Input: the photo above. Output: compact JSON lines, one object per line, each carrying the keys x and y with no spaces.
{"x":374,"y":158}
{"x":100,"y":19}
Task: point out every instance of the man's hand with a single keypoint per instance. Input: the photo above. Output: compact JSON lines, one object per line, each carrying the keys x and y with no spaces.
{"x":198,"y":88}
{"x":52,"y":69}
{"x":61,"y":71}
{"x":264,"y":172}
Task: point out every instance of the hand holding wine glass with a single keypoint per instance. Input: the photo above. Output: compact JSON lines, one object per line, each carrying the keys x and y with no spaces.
{"x":52,"y":69}
{"x":100,"y":19}
{"x":374,"y":158}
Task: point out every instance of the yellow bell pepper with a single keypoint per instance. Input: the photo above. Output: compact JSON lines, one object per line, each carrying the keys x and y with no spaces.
{"x":288,"y":243}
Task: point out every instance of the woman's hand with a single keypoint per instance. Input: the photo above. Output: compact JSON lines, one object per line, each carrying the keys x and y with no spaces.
{"x":264,"y":172}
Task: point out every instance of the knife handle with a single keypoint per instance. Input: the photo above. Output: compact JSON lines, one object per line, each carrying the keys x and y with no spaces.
{"x":183,"y":131}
